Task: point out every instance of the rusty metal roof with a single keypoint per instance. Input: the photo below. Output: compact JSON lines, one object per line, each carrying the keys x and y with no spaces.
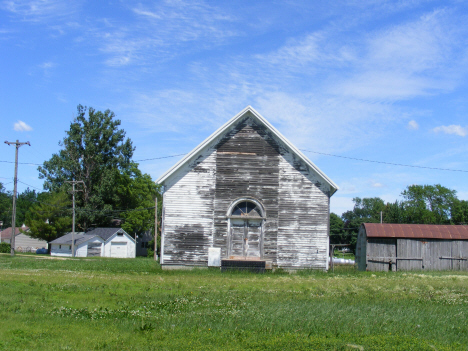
{"x":416,"y":231}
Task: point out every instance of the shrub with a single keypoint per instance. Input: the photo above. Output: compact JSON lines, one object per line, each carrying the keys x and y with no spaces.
{"x":5,"y":248}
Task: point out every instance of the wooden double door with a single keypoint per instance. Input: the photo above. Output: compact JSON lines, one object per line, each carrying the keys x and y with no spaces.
{"x":246,"y":238}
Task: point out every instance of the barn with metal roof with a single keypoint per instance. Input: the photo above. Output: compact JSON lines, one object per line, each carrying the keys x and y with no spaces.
{"x":399,"y":247}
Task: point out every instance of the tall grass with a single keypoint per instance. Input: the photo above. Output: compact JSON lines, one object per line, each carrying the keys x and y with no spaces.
{"x":108,"y":304}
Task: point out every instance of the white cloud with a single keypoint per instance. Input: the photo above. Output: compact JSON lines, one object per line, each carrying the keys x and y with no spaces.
{"x":47,"y":65}
{"x":413,"y":125}
{"x":20,"y":126}
{"x":376,"y":184}
{"x":452,"y":129}
{"x":39,"y":10}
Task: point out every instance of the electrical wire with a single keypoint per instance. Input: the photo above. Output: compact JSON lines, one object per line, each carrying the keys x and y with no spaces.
{"x":386,"y":163}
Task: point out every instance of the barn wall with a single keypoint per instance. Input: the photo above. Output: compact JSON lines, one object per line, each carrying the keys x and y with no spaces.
{"x":414,"y":254}
{"x":24,"y":241}
{"x":303,"y":216}
{"x":361,"y":249}
{"x":379,"y":254}
{"x":247,"y":165}
{"x":188,"y":212}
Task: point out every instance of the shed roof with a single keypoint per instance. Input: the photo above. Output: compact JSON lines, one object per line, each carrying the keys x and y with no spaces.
{"x":103,"y":233}
{"x":6,"y":233}
{"x":80,"y":237}
{"x":248,"y":111}
{"x":416,"y":231}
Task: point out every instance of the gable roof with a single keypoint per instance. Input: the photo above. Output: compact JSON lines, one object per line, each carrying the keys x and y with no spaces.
{"x":416,"y":231}
{"x":103,"y":233}
{"x":6,"y":233}
{"x":80,"y":237}
{"x":248,"y":111}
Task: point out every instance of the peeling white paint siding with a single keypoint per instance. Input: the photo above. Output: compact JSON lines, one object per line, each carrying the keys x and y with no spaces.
{"x":303,"y":216}
{"x":247,"y":160}
{"x":188,"y":212}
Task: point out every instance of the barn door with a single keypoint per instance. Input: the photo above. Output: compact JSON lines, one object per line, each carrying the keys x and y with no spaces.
{"x":246,"y":236}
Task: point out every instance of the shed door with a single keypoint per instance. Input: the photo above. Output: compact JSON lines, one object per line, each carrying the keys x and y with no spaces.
{"x":119,"y":249}
{"x":245,"y":238}
{"x":94,"y":249}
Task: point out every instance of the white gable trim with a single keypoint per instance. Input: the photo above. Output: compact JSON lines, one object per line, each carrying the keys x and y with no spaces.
{"x":195,"y":152}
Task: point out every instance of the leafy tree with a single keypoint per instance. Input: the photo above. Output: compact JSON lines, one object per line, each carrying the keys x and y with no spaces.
{"x":135,"y":192}
{"x":337,"y":233}
{"x":428,"y":204}
{"x":24,"y":201}
{"x":395,"y":212}
{"x":50,"y":217}
{"x":459,"y":212}
{"x":5,"y":206}
{"x":92,"y":151}
{"x":366,"y":210}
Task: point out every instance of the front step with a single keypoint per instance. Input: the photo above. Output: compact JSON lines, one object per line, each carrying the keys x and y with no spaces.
{"x":257,"y":266}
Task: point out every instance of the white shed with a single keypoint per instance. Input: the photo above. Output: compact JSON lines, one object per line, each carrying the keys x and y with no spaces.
{"x":105,"y":242}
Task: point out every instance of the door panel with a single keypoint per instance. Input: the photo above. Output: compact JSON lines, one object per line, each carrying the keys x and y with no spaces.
{"x":245,"y":238}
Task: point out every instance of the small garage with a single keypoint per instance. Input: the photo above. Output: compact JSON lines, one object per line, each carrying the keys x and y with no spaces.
{"x":105,"y":242}
{"x":405,"y":247}
{"x":118,"y":249}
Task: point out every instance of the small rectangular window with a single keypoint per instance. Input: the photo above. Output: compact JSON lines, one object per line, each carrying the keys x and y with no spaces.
{"x":60,"y":246}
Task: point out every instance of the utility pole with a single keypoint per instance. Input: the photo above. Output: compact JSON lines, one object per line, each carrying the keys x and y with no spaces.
{"x":13,"y":219}
{"x":156,"y":229}
{"x":73,"y":182}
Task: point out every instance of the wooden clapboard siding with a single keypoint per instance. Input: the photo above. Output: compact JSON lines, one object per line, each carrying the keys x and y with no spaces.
{"x":410,"y":253}
{"x":188,"y":212}
{"x":379,"y":254}
{"x":246,"y":161}
{"x":247,"y":165}
{"x":303,"y":216}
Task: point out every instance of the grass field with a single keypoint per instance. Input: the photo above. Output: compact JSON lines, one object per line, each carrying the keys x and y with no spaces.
{"x":130,"y":304}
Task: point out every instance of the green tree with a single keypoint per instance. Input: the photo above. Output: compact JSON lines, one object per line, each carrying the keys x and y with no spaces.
{"x":50,"y":217}
{"x":135,"y":195}
{"x":366,"y":210}
{"x":94,"y":149}
{"x":337,"y":233}
{"x":395,"y":212}
{"x":24,"y":202}
{"x":5,"y":206}
{"x":459,"y":212}
{"x":428,"y":204}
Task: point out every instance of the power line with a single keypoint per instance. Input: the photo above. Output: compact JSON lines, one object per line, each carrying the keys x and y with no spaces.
{"x":386,"y":163}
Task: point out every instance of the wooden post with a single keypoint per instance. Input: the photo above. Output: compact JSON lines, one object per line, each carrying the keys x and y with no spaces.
{"x":156,"y":229}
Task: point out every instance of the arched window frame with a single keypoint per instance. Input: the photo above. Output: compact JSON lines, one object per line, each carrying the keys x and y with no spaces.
{"x":246,"y":199}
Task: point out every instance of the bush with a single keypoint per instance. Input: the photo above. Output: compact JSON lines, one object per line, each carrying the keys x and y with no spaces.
{"x":5,"y":248}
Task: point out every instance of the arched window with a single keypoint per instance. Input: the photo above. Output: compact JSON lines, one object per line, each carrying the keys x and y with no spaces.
{"x":246,"y":208}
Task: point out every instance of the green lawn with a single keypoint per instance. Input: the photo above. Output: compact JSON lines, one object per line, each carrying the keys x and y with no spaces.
{"x":130,"y":304}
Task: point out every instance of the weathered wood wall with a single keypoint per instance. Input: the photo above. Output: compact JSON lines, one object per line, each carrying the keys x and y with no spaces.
{"x":246,"y":162}
{"x":303,"y":216}
{"x":247,"y":165}
{"x":374,"y":254}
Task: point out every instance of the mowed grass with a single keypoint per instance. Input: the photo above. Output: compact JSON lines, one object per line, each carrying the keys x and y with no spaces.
{"x":131,"y":304}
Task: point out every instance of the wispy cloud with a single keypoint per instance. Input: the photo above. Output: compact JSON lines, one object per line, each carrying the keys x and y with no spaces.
{"x":413,"y":125}
{"x":163,"y":31}
{"x":20,"y":126}
{"x":39,"y":10}
{"x":452,"y":129}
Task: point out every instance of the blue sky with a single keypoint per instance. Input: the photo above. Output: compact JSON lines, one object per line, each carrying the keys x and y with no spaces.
{"x":376,"y":80}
